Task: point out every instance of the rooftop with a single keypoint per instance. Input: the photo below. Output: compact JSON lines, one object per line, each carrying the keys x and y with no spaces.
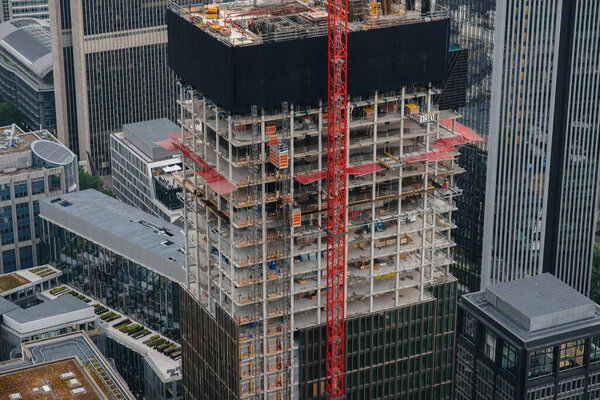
{"x":48,"y":309}
{"x":126,"y":230}
{"x":144,"y":136}
{"x":536,"y":307}
{"x":46,"y":381}
{"x":18,"y":280}
{"x":79,"y":347}
{"x":166,"y":363}
{"x":244,"y":23}
{"x":16,"y":155}
{"x":28,"y":41}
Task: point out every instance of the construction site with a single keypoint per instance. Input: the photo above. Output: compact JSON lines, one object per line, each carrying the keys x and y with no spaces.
{"x":255,"y":181}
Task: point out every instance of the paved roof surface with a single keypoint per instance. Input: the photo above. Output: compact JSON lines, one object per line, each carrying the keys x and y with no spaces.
{"x":7,"y":306}
{"x":152,"y":131}
{"x":59,"y":306}
{"x":145,"y":134}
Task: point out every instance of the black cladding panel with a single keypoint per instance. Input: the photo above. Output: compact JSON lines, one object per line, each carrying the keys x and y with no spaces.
{"x":296,"y":70}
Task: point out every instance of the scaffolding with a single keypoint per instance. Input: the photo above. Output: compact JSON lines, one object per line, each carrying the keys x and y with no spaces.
{"x":257,"y":250}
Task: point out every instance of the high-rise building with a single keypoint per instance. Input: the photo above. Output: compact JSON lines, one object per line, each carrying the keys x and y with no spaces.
{"x":472,"y":28}
{"x":26,"y":71}
{"x":141,"y":169}
{"x":532,"y":338}
{"x":542,"y":185}
{"x":254,"y":151}
{"x":33,"y":166}
{"x":110,"y":60}
{"x":19,"y":9}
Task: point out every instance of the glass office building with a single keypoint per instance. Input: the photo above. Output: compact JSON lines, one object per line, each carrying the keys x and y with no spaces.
{"x":118,"y":255}
{"x":543,"y":176}
{"x":472,"y":28}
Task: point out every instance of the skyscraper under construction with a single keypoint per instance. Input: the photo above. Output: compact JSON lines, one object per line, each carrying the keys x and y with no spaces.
{"x":254,"y":148}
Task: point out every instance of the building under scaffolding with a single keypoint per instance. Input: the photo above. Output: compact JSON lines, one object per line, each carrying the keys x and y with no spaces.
{"x":254,"y":199}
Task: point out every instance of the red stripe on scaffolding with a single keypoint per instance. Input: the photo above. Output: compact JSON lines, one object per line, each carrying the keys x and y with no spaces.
{"x":364,"y":169}
{"x":443,"y":146}
{"x":462,"y":130}
{"x":310,"y":178}
{"x":213,"y":179}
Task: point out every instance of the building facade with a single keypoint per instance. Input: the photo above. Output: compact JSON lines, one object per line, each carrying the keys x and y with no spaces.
{"x":542,"y":185}
{"x":26,"y":78}
{"x":20,"y":9}
{"x":472,"y":28}
{"x":111,"y":69}
{"x":533,"y":338}
{"x":253,"y":178}
{"x":34,"y":167}
{"x":127,"y":259}
{"x":141,"y":169}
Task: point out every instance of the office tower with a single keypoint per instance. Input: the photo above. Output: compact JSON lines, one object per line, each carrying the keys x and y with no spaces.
{"x":33,"y":166}
{"x":472,"y":28}
{"x":110,"y":70}
{"x":26,"y":71}
{"x":532,"y":338}
{"x":20,"y":9}
{"x":542,"y":186}
{"x":253,"y":147}
{"x":117,"y":254}
{"x":141,"y":167}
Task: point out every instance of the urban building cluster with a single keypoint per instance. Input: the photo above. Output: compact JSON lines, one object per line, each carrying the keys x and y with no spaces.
{"x":470,"y":205}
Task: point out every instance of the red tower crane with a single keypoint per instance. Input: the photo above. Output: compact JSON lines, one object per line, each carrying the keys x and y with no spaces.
{"x":337,"y":41}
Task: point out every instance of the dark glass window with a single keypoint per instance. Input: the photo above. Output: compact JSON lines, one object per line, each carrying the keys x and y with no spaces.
{"x":509,"y":357}
{"x":541,"y":363}
{"x":595,"y":349}
{"x":469,"y":328}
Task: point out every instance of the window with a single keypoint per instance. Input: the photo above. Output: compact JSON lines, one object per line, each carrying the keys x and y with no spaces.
{"x":490,"y":345}
{"x":509,"y":358}
{"x":37,"y":186}
{"x":20,"y":189}
{"x":595,"y":349}
{"x":571,"y":355}
{"x":541,"y":363}
{"x":5,"y":192}
{"x":469,"y":328}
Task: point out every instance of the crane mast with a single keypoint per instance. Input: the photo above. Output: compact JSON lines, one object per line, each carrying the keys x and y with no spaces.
{"x":337,"y":41}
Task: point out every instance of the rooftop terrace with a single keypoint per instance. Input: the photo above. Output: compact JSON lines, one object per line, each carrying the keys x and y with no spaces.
{"x":18,"y":280}
{"x":161,"y":353}
{"x":245,"y":23}
{"x":64,"y":379}
{"x":77,"y":346}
